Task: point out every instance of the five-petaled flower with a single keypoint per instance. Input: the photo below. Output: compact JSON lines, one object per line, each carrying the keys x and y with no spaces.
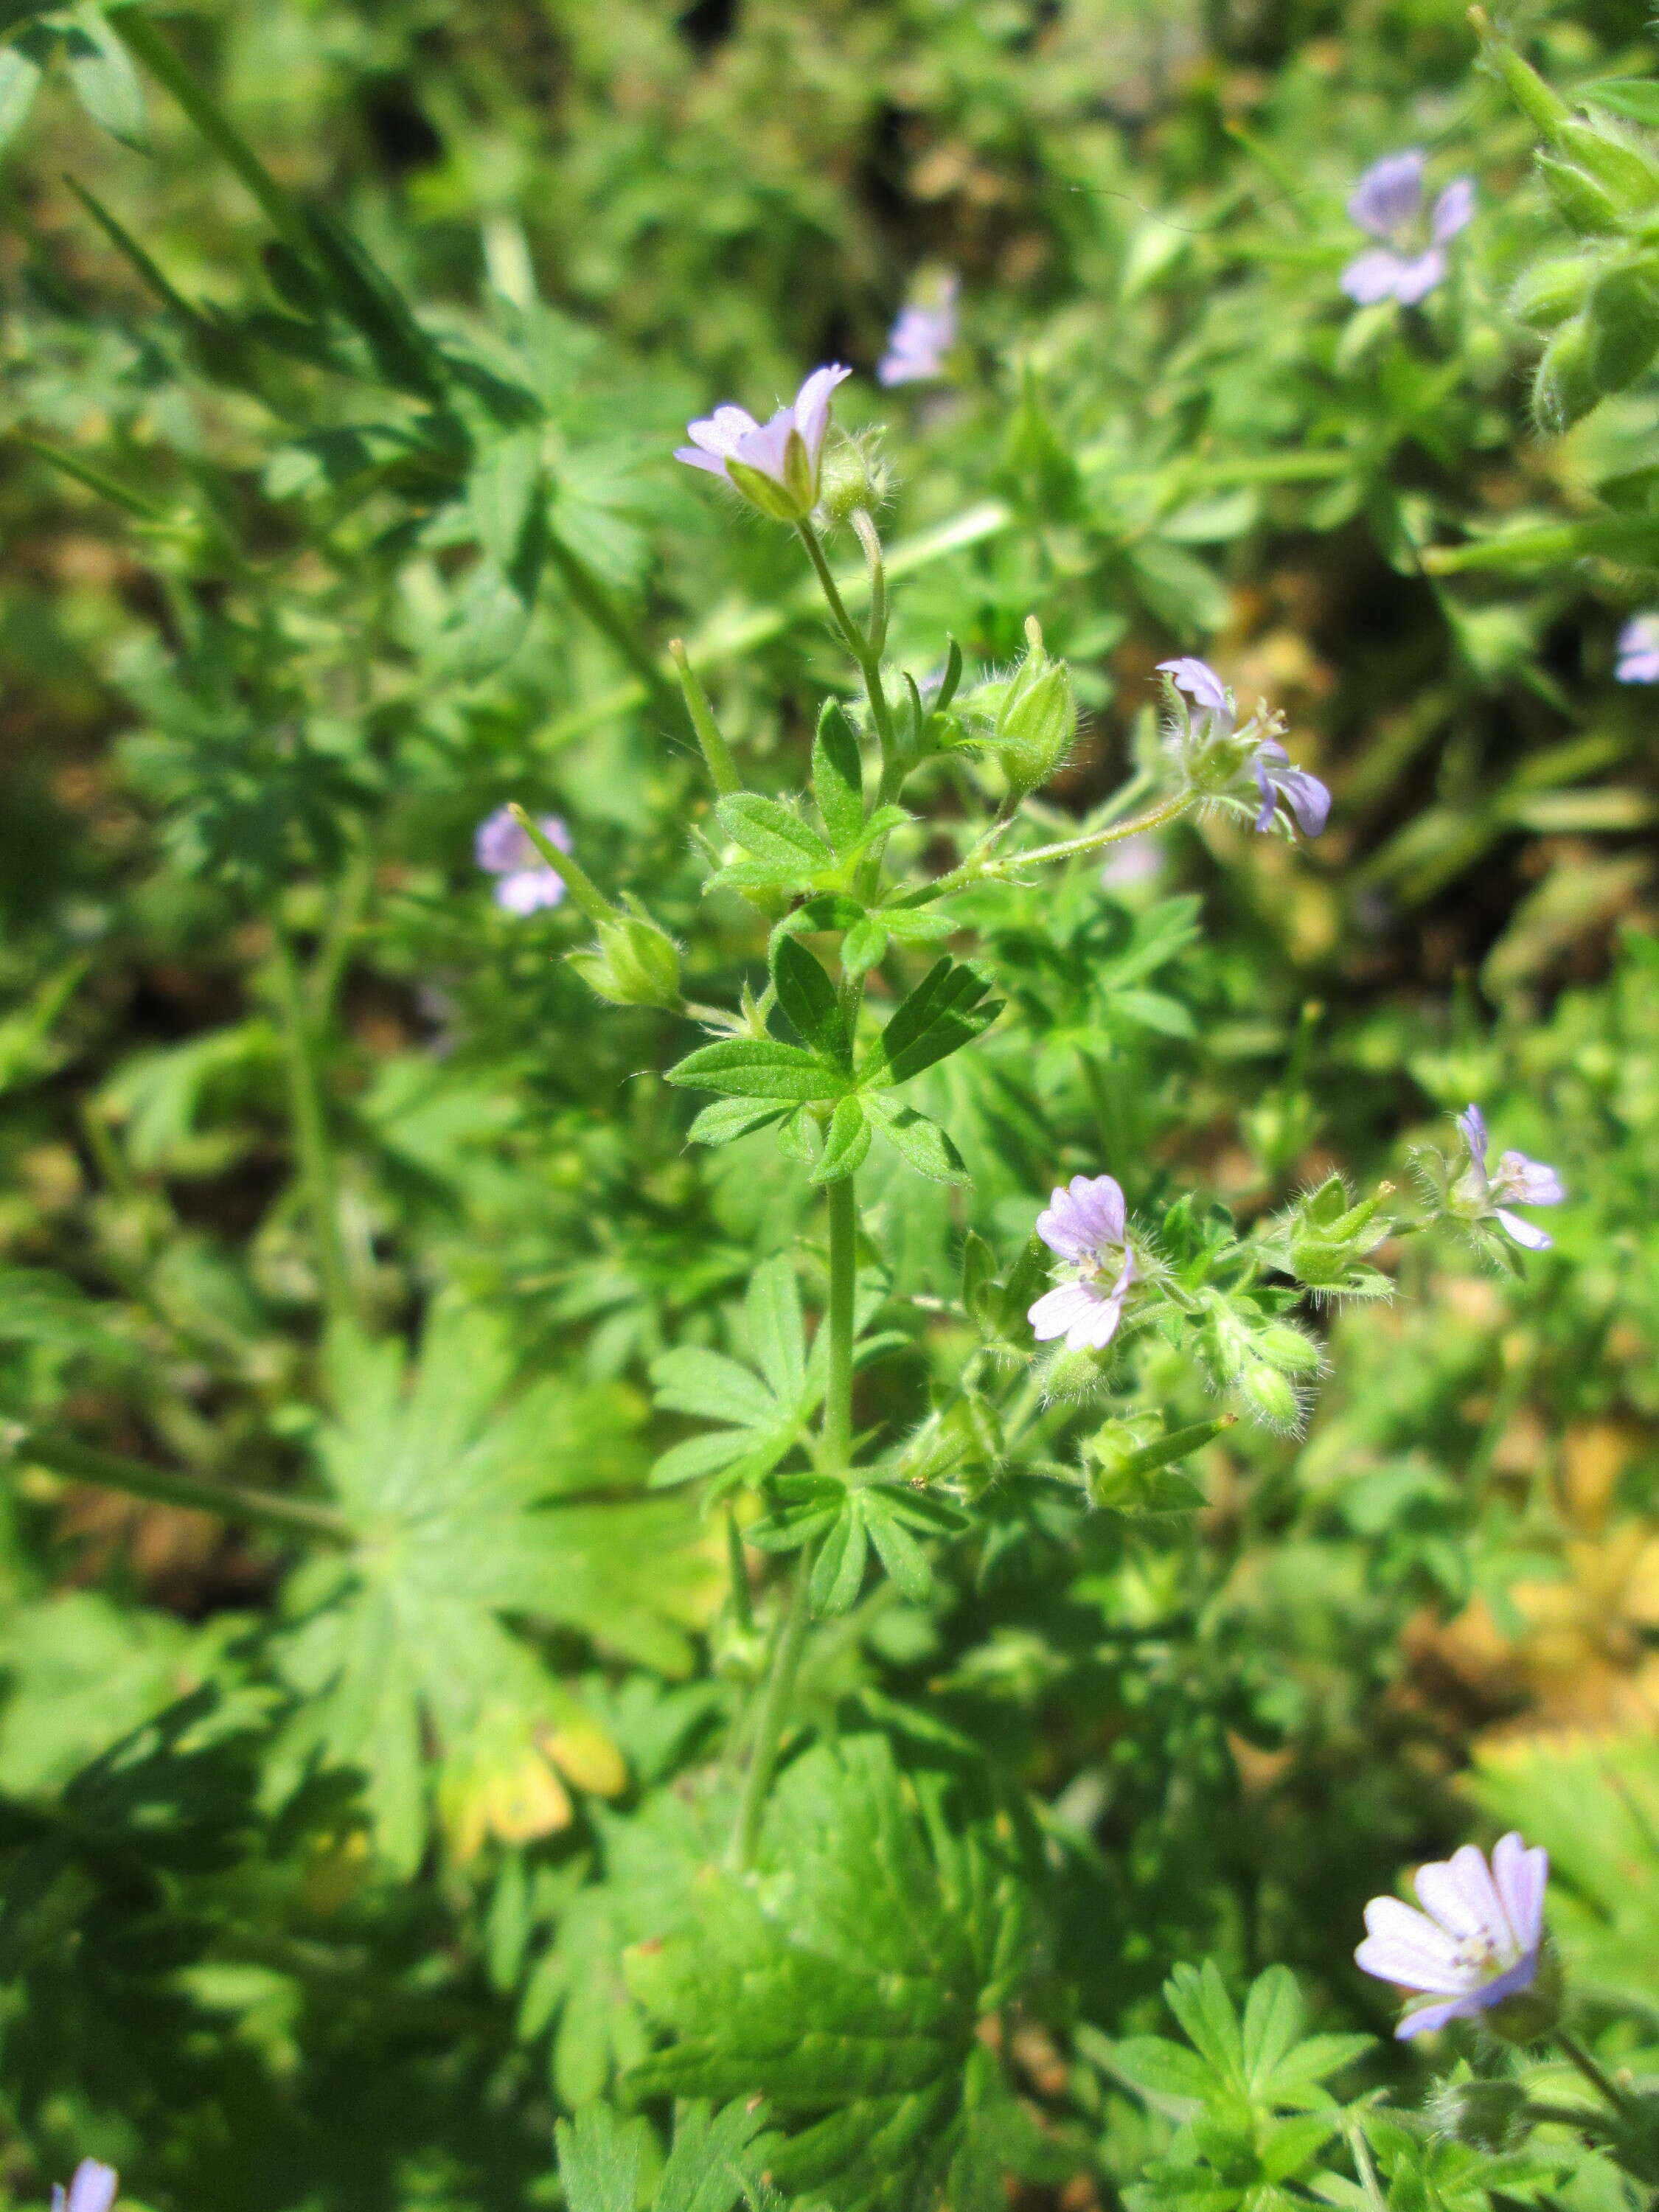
{"x":921,"y":339}
{"x":1214,"y":740}
{"x":92,"y":2189}
{"x":1475,"y":1942}
{"x":1639,"y":651}
{"x":525,"y":882}
{"x":1387,"y":203}
{"x":774,"y":464}
{"x":1522,"y":1181}
{"x":1084,"y":1225}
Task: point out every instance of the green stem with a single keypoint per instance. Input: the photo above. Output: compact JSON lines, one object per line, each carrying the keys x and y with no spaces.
{"x":1593,"y":2073}
{"x":310,"y":1137}
{"x":990,"y":872}
{"x":717,"y":754}
{"x":775,"y":1711}
{"x":843,"y":1270}
{"x":232,"y":1501}
{"x":742,"y":1611}
{"x":145,"y":43}
{"x":602,"y":610}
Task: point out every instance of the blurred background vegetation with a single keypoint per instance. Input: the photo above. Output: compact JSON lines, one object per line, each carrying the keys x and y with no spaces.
{"x":294,"y":593}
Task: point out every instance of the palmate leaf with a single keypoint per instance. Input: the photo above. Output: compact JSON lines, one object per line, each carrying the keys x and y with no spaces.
{"x":851,"y":1516}
{"x":764,"y":1414}
{"x":946,"y":1011}
{"x":845,"y":1986}
{"x":717,"y":2157}
{"x":465,"y":1501}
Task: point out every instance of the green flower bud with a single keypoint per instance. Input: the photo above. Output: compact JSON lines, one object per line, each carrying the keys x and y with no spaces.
{"x":633,"y":964}
{"x":1624,"y":169}
{"x":1550,"y":291}
{"x":1073,"y":1375}
{"x":1286,"y":1347}
{"x":1487,"y":2114}
{"x":1623,"y":316}
{"x":1587,"y":205}
{"x":852,"y":475}
{"x":1036,"y":719}
{"x":1269,"y":1397}
{"x":1564,"y":385}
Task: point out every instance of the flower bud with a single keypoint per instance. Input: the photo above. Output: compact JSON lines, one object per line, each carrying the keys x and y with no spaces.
{"x":1564,"y":387}
{"x":1625,"y":171}
{"x":1073,"y":1375}
{"x":1485,"y":2114}
{"x":633,"y":964}
{"x":1269,"y":1397}
{"x":1286,"y":1347}
{"x":1550,"y":291}
{"x":1588,"y":206}
{"x":852,"y":475}
{"x":1623,"y":316}
{"x":1036,"y":719}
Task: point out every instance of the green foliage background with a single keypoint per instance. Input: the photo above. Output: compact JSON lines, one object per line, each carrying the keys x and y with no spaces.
{"x":340,"y":1861}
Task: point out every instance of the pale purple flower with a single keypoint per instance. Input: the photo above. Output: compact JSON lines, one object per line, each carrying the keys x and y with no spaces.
{"x":921,"y":339}
{"x":1477,"y":1939}
{"x":1265,"y":758}
{"x":774,"y":464}
{"x":525,"y":883}
{"x":1526,"y":1182}
{"x":1084,"y":1224}
{"x":1639,"y":651}
{"x":92,"y":2189}
{"x":1387,"y":203}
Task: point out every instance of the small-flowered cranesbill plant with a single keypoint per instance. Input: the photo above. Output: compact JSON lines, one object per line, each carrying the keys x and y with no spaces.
{"x":868,"y":984}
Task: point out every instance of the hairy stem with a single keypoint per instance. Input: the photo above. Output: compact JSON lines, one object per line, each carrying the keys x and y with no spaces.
{"x":1069,"y":848}
{"x":1599,"y":2080}
{"x":231,"y":1501}
{"x":775,"y":1711}
{"x":311,"y":1143}
{"x":843,"y":1268}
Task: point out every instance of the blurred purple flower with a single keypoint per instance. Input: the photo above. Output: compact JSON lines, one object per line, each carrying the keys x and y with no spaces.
{"x":775,"y":464}
{"x":92,"y":2189}
{"x":1387,"y":203}
{"x":525,"y":882}
{"x":1198,"y":678}
{"x":1084,"y":1224}
{"x":1639,"y":651}
{"x":1527,"y":1182}
{"x":921,"y":339}
{"x":1475,"y":1942}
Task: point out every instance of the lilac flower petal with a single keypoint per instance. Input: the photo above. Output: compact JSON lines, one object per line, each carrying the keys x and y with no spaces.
{"x":1057,"y":1311}
{"x":1094,"y":1330}
{"x":527,"y":890}
{"x":1639,"y":668}
{"x":1390,"y":194}
{"x":1403,"y":1945}
{"x":92,"y":2187}
{"x":1198,"y":678}
{"x":1521,"y":1876}
{"x":720,"y":432}
{"x":1526,"y":1233}
{"x":1082,"y":1222}
{"x":1460,"y":1894}
{"x":1510,"y":1984}
{"x":810,"y":412}
{"x":1372,"y":276}
{"x":502,"y":847}
{"x":1419,"y":277}
{"x":697,"y":459}
{"x":1529,"y":1181}
{"x":1264,"y":820}
{"x":1473,"y":1123}
{"x":1308,"y":799}
{"x":1453,"y":210}
{"x":766,"y":448}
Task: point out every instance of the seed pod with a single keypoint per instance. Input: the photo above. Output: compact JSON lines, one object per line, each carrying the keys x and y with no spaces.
{"x":1587,"y":205}
{"x":1625,"y":171}
{"x":1550,"y":291}
{"x":1564,"y":387}
{"x":1623,"y":316}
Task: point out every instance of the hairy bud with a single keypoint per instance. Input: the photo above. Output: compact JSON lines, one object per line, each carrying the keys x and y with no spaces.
{"x":632,"y":963}
{"x":1550,"y":291}
{"x":1588,"y":206}
{"x":1269,"y":1396}
{"x":1036,"y":718}
{"x":1564,"y":385}
{"x":1623,"y":170}
{"x":852,"y":475}
{"x":1623,"y":316}
{"x":1489,"y":2115}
